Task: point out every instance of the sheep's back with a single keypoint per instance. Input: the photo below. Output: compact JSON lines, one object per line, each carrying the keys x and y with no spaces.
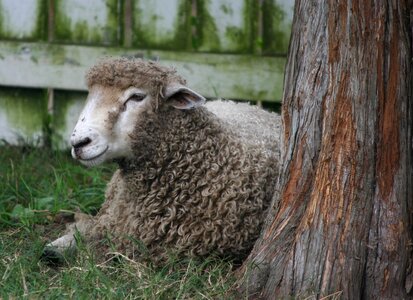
{"x":252,"y":124}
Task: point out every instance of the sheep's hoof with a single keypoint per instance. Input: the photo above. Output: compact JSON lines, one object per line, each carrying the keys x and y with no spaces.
{"x":52,"y":256}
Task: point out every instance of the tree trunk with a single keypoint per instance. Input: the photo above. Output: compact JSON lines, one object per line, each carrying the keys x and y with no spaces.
{"x":341,"y":224}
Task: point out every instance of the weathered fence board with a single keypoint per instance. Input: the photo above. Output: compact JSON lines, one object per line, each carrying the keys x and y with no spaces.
{"x":47,"y":45}
{"x":277,"y":18}
{"x":66,"y":109}
{"x":87,"y":22}
{"x":22,"y":114}
{"x":213,"y":75}
{"x":227,"y":26}
{"x":28,"y":22}
{"x":162,"y":24}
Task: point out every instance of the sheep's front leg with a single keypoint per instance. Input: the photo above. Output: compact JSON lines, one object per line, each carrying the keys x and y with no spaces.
{"x":66,"y":245}
{"x":56,"y":251}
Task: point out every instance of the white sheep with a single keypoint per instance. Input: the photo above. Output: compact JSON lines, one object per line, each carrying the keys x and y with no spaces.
{"x":193,"y":179}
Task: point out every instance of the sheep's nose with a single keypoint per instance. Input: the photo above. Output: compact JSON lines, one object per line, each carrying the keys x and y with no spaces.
{"x":79,"y":144}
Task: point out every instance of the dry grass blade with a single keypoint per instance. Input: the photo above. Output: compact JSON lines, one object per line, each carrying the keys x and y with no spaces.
{"x":335,"y":295}
{"x":26,"y":290}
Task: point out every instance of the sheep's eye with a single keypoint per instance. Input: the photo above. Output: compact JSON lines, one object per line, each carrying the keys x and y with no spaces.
{"x":136,"y":97}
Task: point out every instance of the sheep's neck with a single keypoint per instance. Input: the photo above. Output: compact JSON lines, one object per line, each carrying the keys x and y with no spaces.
{"x":171,"y":136}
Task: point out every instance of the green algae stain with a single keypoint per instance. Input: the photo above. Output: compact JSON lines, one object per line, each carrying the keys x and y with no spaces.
{"x":183,"y":26}
{"x":3,"y":33}
{"x":67,"y":108}
{"x":41,"y":29}
{"x":276,"y":29}
{"x":63,"y":101}
{"x":147,"y":36}
{"x":207,"y":38}
{"x":67,"y":30}
{"x":39,"y":24}
{"x":25,"y":109}
{"x":242,"y":37}
{"x":236,"y":39}
{"x":246,"y":39}
{"x":113,"y":28}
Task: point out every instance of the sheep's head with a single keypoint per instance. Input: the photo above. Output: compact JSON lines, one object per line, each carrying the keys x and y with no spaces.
{"x":120,"y":92}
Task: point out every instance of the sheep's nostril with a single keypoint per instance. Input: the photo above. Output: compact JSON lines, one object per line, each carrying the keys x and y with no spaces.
{"x":82,"y":143}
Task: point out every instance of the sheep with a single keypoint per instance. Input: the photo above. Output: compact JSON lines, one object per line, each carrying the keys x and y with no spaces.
{"x":193,"y":179}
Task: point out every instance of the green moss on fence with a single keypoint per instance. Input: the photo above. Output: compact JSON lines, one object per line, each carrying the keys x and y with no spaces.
{"x":67,"y":108}
{"x":276,"y":29}
{"x":80,"y":32}
{"x":236,"y":39}
{"x":39,"y":31}
{"x":25,"y":110}
{"x":206,"y":29}
{"x":147,"y":36}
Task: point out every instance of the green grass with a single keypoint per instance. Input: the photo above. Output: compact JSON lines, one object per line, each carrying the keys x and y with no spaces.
{"x":33,"y":180}
{"x":37,"y":188}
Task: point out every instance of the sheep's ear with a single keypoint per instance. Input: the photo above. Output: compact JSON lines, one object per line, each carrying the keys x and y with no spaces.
{"x":181,"y":97}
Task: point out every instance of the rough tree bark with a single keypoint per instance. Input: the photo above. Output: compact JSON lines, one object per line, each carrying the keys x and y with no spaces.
{"x":341,"y":223}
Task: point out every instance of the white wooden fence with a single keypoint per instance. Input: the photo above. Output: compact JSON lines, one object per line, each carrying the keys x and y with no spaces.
{"x":225,"y":48}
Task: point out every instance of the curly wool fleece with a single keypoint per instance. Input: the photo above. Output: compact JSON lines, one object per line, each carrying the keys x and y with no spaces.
{"x":199,"y":183}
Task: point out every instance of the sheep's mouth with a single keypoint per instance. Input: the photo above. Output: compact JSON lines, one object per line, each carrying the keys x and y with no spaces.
{"x":96,"y":156}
